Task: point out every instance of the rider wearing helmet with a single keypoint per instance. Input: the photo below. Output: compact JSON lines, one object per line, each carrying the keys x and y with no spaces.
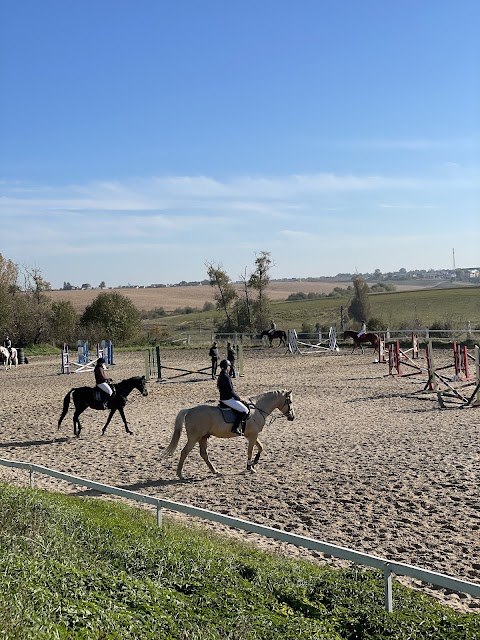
{"x":231,"y":399}
{"x":7,"y":343}
{"x":102,"y":380}
{"x":363,"y":329}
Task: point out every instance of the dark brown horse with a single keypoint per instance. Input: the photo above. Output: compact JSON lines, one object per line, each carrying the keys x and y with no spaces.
{"x":271,"y":335}
{"x":358,"y":341}
{"x":83,"y":398}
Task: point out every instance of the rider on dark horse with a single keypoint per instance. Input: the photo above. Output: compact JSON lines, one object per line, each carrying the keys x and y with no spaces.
{"x":103,"y":381}
{"x":363,"y":329}
{"x":231,"y":399}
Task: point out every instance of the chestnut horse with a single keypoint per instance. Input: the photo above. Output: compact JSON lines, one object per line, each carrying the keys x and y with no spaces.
{"x":358,"y":341}
{"x":203,"y":421}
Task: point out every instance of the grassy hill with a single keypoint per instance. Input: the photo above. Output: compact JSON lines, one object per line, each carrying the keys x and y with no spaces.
{"x":398,"y":309}
{"x":89,"y":569}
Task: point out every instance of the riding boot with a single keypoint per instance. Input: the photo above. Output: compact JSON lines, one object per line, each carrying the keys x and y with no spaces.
{"x":236,"y":425}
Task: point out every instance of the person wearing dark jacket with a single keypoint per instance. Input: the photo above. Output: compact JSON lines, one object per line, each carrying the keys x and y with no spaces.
{"x":7,"y":343}
{"x":231,"y":359}
{"x":213,"y":353}
{"x":231,"y":399}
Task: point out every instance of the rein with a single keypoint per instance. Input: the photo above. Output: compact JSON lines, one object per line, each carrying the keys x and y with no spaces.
{"x":265,"y":415}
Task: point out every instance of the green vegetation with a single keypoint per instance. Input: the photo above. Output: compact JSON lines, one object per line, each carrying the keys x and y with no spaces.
{"x":88,"y":568}
{"x":434,"y":308}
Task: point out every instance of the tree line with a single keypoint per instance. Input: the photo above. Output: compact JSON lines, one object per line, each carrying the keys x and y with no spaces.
{"x":30,"y":317}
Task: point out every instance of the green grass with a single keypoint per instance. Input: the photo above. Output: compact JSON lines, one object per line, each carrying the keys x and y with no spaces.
{"x":87,"y":568}
{"x":396,"y":310}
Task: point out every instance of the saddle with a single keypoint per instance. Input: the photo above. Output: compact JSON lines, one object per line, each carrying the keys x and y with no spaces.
{"x":229,"y":414}
{"x":102,"y":397}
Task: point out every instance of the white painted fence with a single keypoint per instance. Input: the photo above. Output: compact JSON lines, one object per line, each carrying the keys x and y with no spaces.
{"x":388,"y":567}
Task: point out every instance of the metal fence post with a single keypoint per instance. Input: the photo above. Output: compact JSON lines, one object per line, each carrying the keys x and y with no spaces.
{"x":387,"y":583}
{"x":31,"y":479}
{"x":159,"y":514}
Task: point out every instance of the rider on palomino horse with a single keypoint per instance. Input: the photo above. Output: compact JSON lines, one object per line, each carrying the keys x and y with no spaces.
{"x":231,"y":399}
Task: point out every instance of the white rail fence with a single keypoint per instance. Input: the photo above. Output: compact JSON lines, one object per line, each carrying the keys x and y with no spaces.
{"x":388,"y":567}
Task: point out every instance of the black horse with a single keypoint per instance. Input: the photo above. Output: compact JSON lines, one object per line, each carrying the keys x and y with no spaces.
{"x":83,"y":397}
{"x":372,"y":338}
{"x":281,"y":335}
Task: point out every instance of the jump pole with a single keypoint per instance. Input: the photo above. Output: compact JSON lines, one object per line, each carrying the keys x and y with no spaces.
{"x":153,"y":364}
{"x":65,"y":359}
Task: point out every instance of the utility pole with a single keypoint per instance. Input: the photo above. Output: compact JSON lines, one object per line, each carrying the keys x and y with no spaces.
{"x":453,"y":259}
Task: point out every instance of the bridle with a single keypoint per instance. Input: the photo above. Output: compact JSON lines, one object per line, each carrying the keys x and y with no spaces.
{"x":288,"y":414}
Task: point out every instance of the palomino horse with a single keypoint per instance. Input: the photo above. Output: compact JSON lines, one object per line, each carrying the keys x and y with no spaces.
{"x":8,"y":359}
{"x":358,"y":341}
{"x":204,"y":421}
{"x":281,"y":335}
{"x":83,"y":397}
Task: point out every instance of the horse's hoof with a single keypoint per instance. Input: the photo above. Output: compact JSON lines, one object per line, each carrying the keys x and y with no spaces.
{"x":130,"y":433}
{"x":251,"y":469}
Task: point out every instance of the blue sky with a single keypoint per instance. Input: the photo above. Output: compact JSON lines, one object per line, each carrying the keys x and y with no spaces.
{"x":140,"y":139}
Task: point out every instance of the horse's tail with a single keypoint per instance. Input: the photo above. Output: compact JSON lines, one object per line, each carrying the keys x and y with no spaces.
{"x":179,"y":424}
{"x":66,"y":404}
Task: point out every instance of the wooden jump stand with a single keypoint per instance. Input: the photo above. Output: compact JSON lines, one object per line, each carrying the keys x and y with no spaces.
{"x":437,"y":380}
{"x":86,"y":362}
{"x":297,"y":347}
{"x":154,"y":366}
{"x":399,"y":358}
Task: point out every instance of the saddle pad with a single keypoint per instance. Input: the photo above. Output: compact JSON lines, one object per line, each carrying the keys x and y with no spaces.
{"x":228,"y":414}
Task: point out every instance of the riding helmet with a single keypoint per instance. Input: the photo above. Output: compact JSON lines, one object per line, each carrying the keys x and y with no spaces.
{"x":224,"y":364}
{"x":100,"y":361}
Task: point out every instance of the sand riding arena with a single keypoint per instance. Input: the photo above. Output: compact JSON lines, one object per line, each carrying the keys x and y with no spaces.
{"x":369,"y":463}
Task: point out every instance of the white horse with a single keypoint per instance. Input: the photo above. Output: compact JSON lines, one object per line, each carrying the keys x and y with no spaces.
{"x":8,"y":359}
{"x":203,"y":421}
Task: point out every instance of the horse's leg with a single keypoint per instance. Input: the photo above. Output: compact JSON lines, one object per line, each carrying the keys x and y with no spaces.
{"x":203,"y":452}
{"x":110,"y":416}
{"x":185,"y":451}
{"x":122,"y":413}
{"x":251,"y":442}
{"x":77,"y":427}
{"x":259,"y":446}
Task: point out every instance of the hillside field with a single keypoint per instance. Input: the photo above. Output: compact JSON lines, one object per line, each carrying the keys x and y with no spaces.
{"x":170,"y":298}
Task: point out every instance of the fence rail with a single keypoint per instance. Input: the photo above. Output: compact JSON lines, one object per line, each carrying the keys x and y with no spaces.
{"x":388,"y":567}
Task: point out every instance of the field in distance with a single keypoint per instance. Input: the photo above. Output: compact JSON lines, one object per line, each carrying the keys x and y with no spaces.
{"x":171,"y":298}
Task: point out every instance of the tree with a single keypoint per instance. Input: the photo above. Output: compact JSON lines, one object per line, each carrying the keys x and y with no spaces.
{"x":67,"y":286}
{"x":8,"y":290}
{"x":102,"y":285}
{"x":33,"y":309}
{"x":225,"y":293}
{"x":259,"y":281}
{"x":359,"y":307}
{"x":63,"y":322}
{"x":112,"y":316}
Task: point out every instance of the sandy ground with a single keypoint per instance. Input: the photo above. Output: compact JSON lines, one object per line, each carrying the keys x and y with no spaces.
{"x":369,"y":463}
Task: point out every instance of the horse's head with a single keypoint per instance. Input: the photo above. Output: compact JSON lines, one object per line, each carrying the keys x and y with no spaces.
{"x":287,"y":409}
{"x":142,"y":386}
